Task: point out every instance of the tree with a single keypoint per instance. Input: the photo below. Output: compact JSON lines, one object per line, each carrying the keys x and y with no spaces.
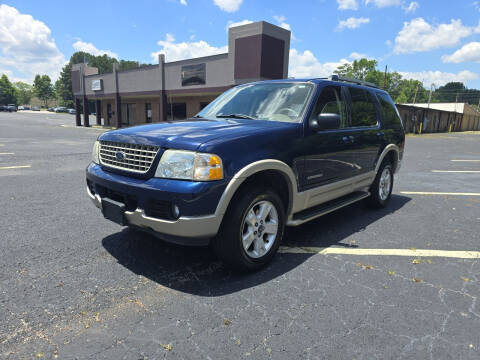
{"x":24,"y":92}
{"x":63,"y":86}
{"x":359,"y":69}
{"x":8,"y":94}
{"x":43,"y":88}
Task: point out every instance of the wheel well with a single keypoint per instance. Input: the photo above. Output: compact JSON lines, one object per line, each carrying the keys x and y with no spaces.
{"x":271,"y":179}
{"x":393,"y":157}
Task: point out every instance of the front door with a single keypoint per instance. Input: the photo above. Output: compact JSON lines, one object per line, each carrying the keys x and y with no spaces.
{"x":330,"y":155}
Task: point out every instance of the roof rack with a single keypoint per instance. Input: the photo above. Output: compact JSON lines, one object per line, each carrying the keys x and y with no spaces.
{"x":353,"y":81}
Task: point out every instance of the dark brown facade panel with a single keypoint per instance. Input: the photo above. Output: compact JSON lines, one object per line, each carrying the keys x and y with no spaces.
{"x":248,"y":55}
{"x":272,"y":57}
{"x":76,"y":81}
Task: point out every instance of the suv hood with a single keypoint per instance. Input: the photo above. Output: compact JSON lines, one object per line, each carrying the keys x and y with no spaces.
{"x":189,"y":135}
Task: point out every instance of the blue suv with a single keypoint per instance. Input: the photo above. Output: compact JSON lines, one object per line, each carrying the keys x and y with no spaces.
{"x":260,"y":157}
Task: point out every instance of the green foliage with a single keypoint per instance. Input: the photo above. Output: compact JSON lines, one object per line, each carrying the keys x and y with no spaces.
{"x":406,"y":90}
{"x":63,"y":87}
{"x":8,"y":93}
{"x":24,"y":92}
{"x":43,"y":88}
{"x":359,"y":69}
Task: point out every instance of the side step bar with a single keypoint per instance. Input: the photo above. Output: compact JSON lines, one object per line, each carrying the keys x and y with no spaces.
{"x":325,"y":208}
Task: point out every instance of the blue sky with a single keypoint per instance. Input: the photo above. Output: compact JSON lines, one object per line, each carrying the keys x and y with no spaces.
{"x":432,"y":40}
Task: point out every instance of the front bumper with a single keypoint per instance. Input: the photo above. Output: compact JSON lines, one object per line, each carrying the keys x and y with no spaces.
{"x":197,"y":202}
{"x":184,"y":227}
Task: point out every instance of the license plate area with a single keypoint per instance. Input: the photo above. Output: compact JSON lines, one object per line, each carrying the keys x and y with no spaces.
{"x":114,"y":211}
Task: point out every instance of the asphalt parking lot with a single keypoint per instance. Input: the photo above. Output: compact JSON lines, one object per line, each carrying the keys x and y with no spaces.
{"x":402,"y":282}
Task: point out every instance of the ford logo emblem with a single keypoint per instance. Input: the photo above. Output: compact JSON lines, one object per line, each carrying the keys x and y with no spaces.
{"x":120,"y":155}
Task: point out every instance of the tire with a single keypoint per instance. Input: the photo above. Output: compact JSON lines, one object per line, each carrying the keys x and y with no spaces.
{"x":229,"y":246}
{"x":379,"y":199}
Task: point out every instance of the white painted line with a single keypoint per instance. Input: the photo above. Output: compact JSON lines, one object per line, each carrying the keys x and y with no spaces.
{"x":466,"y":160}
{"x":14,"y":167}
{"x":7,"y":153}
{"x":438,"y":193}
{"x":381,"y":252}
{"x":457,"y":171}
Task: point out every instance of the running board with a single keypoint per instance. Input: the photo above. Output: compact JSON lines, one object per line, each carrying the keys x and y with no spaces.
{"x":325,"y":208}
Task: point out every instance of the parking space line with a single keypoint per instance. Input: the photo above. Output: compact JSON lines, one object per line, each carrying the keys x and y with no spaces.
{"x":465,"y":160}
{"x":381,"y":252}
{"x":14,"y":167}
{"x":438,"y":193}
{"x":457,"y":171}
{"x":7,"y":153}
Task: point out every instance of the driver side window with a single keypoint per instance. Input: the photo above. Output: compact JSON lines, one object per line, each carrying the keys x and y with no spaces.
{"x":331,"y":101}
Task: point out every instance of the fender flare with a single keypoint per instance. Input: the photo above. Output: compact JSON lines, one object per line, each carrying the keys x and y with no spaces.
{"x":388,"y":148}
{"x":251,"y":169}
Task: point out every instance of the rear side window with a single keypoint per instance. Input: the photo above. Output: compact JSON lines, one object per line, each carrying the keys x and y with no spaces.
{"x":390,"y":114}
{"x":362,"y":108}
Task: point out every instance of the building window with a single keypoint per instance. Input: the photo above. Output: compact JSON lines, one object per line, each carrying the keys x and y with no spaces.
{"x":193,"y":74}
{"x":148,"y":112}
{"x":128,"y":114}
{"x":176,"y":111}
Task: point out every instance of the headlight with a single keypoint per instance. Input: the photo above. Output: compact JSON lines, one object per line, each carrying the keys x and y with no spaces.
{"x":189,"y":165}
{"x":96,"y":152}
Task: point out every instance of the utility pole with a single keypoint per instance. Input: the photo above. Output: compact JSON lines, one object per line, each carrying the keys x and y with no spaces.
{"x":385,"y":78}
{"x":416,"y":91}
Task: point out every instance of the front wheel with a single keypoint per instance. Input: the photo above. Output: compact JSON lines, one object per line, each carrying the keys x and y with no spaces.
{"x":381,"y":189}
{"x":252,"y":230}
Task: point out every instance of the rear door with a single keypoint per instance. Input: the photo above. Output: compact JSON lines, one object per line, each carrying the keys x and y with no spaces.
{"x":364,"y":126}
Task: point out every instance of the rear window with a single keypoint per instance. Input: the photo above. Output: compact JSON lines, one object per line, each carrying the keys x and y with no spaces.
{"x":362,"y":108}
{"x":390,"y":113}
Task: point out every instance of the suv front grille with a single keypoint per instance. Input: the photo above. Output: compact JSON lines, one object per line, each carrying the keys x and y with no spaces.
{"x":130,"y":157}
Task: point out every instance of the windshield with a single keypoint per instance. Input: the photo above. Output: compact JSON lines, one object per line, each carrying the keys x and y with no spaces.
{"x":262,"y":101}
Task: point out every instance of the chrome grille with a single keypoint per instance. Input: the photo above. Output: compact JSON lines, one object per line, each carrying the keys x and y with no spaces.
{"x":137,"y":158}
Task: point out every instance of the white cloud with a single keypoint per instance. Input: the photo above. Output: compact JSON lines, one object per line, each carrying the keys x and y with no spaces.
{"x":228,"y":5}
{"x":280,"y":19}
{"x":306,"y":65}
{"x":440,"y":78}
{"x":183,"y":2}
{"x":87,"y":47}
{"x":238,"y":23}
{"x":26,"y":46}
{"x":384,"y":3}
{"x":412,"y":7}
{"x":347,"y":4}
{"x":352,"y":23}
{"x":358,"y":56}
{"x":418,"y":35}
{"x":185,"y":50}
{"x":467,"y":53}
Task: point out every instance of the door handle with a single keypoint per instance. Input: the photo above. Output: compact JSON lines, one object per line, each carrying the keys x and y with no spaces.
{"x":352,"y":138}
{"x":381,"y":133}
{"x":348,"y":139}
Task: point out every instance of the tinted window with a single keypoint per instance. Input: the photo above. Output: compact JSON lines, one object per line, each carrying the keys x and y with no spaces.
{"x":390,"y":115}
{"x":193,"y":74}
{"x":331,"y":101}
{"x":362,"y":108}
{"x":176,"y":111}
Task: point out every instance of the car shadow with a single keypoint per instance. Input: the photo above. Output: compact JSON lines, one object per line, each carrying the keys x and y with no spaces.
{"x":195,"y":270}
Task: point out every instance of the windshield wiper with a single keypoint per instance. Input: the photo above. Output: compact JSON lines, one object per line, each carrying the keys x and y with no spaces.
{"x":238,"y":116}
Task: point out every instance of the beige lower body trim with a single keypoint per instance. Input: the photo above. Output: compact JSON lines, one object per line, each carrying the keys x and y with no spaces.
{"x":185,"y":227}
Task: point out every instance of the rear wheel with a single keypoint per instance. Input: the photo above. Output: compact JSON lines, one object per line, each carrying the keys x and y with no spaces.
{"x":381,"y":189}
{"x":252,"y":230}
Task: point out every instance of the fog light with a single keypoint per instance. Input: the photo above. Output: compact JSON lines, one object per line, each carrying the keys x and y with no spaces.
{"x":175,"y":211}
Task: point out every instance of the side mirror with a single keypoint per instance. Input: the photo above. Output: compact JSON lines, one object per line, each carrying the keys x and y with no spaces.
{"x":325,"y":122}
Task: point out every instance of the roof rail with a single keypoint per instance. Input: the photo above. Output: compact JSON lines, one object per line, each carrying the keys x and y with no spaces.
{"x":353,"y":81}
